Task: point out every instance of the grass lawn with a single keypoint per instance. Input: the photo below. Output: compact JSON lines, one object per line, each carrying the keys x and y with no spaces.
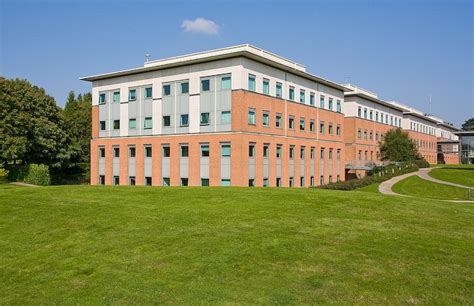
{"x":370,"y":188}
{"x":418,"y":187}
{"x":462,"y":176}
{"x":143,"y":245}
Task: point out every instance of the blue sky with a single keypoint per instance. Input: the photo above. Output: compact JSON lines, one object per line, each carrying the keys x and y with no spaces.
{"x":403,"y":50}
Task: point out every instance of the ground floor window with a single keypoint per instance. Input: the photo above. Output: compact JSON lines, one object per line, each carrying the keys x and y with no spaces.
{"x":131,"y":180}
{"x":321,"y":180}
{"x":330,"y":179}
{"x":166,"y":181}
{"x":265,"y":182}
{"x":291,"y":182}
{"x":225,"y":182}
{"x":184,"y":181}
{"x":311,"y":180}
{"x":302,"y":181}
{"x":251,"y":182}
{"x":204,"y":182}
{"x":278,"y":182}
{"x":101,"y":179}
{"x":116,"y":180}
{"x":148,"y":180}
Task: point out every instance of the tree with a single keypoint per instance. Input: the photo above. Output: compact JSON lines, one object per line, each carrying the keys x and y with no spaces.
{"x":77,"y":114}
{"x":468,"y":125}
{"x":32,"y":128}
{"x":397,"y":146}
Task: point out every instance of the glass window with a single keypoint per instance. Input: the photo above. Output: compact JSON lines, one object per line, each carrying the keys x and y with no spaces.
{"x":291,"y":94}
{"x":266,"y":151}
{"x":225,"y":117}
{"x":330,"y":154}
{"x":266,"y":119}
{"x":132,"y":95}
{"x":359,"y":134}
{"x":116,"y":180}
{"x":330,"y":104}
{"x":251,"y":150}
{"x":166,"y":90}
{"x":166,"y":181}
{"x":184,"y":120}
{"x":116,"y":152}
{"x":291,"y":182}
{"x":251,"y":182}
{"x":338,"y":106}
{"x":132,"y":123}
{"x":116,"y":124}
{"x":291,"y":122}
{"x":365,"y":135}
{"x":321,"y":155}
{"x":311,"y":153}
{"x":311,"y":126}
{"x":166,"y":121}
{"x":359,"y":112}
{"x":204,"y":118}
{"x":321,"y":102}
{"x":311,"y":99}
{"x":205,"y":85}
{"x":102,"y":98}
{"x":265,"y":182}
{"x":225,"y":82}
{"x":131,"y":152}
{"x":330,"y":129}
{"x":166,"y":151}
{"x":225,"y":150}
{"x":292,"y":152}
{"x":204,"y":150}
{"x":204,"y":182}
{"x":148,"y":93}
{"x":185,"y":88}
{"x":278,"y":151}
{"x":184,"y":151}
{"x":278,"y":90}
{"x":302,"y":123}
{"x":184,"y":181}
{"x":278,"y":121}
{"x":302,"y":96}
{"x":148,"y":151}
{"x":131,"y":180}
{"x":148,"y":123}
{"x":321,"y":128}
{"x":251,"y":116}
{"x":101,"y":152}
{"x":338,"y":130}
{"x":365,"y":113}
{"x":102,"y":125}
{"x":266,"y":87}
{"x":251,"y":85}
{"x":225,"y":182}
{"x":302,"y":152}
{"x":116,"y":97}
{"x":370,"y":115}
{"x":148,"y":181}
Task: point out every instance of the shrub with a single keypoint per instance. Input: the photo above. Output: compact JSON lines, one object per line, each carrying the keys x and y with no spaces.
{"x":378,"y":175}
{"x":17,"y":173}
{"x":3,"y":175}
{"x":38,"y":175}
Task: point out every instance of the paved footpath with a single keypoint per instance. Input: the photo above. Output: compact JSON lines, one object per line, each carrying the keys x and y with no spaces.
{"x":386,"y":187}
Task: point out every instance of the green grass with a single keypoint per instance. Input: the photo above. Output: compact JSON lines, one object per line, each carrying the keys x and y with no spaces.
{"x":418,"y":187}
{"x":462,"y":176}
{"x":370,"y":188}
{"x":144,"y":245}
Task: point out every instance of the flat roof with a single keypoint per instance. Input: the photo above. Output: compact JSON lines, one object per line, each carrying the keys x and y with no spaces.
{"x":416,"y":114}
{"x":246,"y":50}
{"x":371,"y":98}
{"x":465,"y":133}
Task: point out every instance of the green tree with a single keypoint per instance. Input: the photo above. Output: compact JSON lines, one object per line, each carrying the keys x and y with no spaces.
{"x":77,"y":114}
{"x":468,"y":125}
{"x":397,"y":146}
{"x":32,"y":128}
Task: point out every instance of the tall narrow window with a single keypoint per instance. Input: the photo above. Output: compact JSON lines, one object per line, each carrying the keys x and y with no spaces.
{"x":311,"y":99}
{"x":321,"y":102}
{"x":278,"y":151}
{"x":278,"y":120}
{"x":166,"y":150}
{"x":291,"y":94}
{"x":132,"y":95}
{"x":291,"y":122}
{"x":184,"y":120}
{"x":330,"y":129}
{"x":321,"y":128}
{"x":148,"y":93}
{"x":359,"y":112}
{"x":252,"y":150}
{"x":266,"y":119}
{"x":330,"y":104}
{"x":132,"y":123}
{"x":302,"y":124}
{"x":266,"y":87}
{"x":116,"y":97}
{"x":251,"y":82}
{"x":131,"y":152}
{"x":148,"y":151}
{"x":184,"y":88}
{"x":311,"y":125}
{"x":302,"y":96}
{"x":292,"y":152}
{"x":102,"y":125}
{"x":204,"y":119}
{"x":251,"y":116}
{"x":205,"y":85}
{"x":116,"y":124}
{"x":278,"y":90}
{"x":166,"y":121}
{"x":102,"y":98}
{"x":266,"y":150}
{"x":338,"y":106}
{"x":225,"y":83}
{"x":102,"y":152}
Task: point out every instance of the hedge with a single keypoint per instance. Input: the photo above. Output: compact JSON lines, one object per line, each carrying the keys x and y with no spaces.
{"x":378,"y":175}
{"x":3,"y":175}
{"x":32,"y":174}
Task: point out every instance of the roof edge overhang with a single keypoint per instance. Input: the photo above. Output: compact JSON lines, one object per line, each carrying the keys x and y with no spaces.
{"x":372,"y":99}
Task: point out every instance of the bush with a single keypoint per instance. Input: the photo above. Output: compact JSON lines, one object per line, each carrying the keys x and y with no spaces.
{"x":422,"y":163}
{"x":3,"y":175}
{"x":378,"y":175}
{"x":38,"y":175}
{"x":17,"y":173}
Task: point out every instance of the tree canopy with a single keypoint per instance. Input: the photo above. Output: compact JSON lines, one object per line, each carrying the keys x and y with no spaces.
{"x":397,"y":146}
{"x":468,"y":125}
{"x":32,"y":127}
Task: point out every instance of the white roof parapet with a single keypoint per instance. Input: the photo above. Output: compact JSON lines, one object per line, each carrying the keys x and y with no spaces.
{"x":358,"y":89}
{"x":225,"y":51}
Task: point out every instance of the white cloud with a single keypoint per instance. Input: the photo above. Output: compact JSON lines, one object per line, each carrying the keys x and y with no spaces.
{"x":200,"y":25}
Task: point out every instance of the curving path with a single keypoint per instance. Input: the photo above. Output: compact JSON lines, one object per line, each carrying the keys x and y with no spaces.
{"x":386,"y":187}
